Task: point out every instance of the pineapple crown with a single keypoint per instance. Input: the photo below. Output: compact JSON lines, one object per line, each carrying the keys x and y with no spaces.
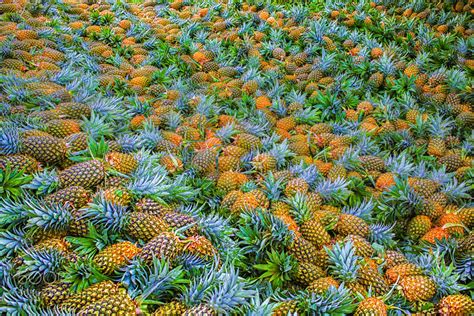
{"x":440,"y":175}
{"x":439,"y":127}
{"x":386,"y":65}
{"x":207,"y":106}
{"x":382,"y":235}
{"x":457,"y":80}
{"x":343,"y":261}
{"x":12,"y":241}
{"x":47,"y":216}
{"x":12,"y":212}
{"x":18,"y":300}
{"x":257,"y":124}
{"x":400,"y":164}
{"x":307,"y":116}
{"x":257,"y":306}
{"x":464,"y":267}
{"x":173,"y":120}
{"x":12,"y":181}
{"x":97,"y":126}
{"x":44,"y":182}
{"x":334,"y":301}
{"x":107,"y":107}
{"x":95,"y":149}
{"x":229,"y":293}
{"x":6,"y":276}
{"x":309,"y":174}
{"x":81,"y":274}
{"x":148,"y":136}
{"x":278,"y":106}
{"x":281,"y":152}
{"x":400,"y":201}
{"x":272,"y":187}
{"x":299,"y":207}
{"x":226,"y":132}
{"x":106,"y":214}
{"x":213,"y":226}
{"x":457,"y":192}
{"x":159,"y":187}
{"x":269,"y":141}
{"x":333,"y":191}
{"x":363,"y":209}
{"x":295,"y":96}
{"x":445,"y":276}
{"x":40,"y":265}
{"x":128,"y":142}
{"x":248,"y":186}
{"x":9,"y":140}
{"x":278,"y":268}
{"x":364,"y":146}
{"x":349,"y":160}
{"x":261,"y":231}
{"x":93,"y":242}
{"x":152,"y":281}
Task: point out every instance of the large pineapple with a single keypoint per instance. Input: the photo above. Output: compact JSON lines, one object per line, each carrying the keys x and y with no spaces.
{"x":46,"y":149}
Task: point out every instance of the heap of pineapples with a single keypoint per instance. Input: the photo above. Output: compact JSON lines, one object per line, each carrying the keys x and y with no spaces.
{"x":245,"y":158}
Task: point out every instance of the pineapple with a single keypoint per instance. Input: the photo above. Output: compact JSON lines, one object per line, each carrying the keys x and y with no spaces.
{"x":62,"y":128}
{"x":138,"y":225}
{"x":351,"y":225}
{"x":177,"y":220}
{"x":418,"y":288}
{"x":74,"y":110}
{"x":20,"y":162}
{"x":75,"y":196}
{"x":55,"y":293}
{"x":165,"y":245}
{"x":456,"y":304}
{"x":436,"y":233}
{"x":247,"y":141}
{"x":205,"y":160}
{"x":245,"y":202}
{"x":115,"y":256}
{"x":150,"y":206}
{"x":123,"y":163}
{"x":264,"y":162}
{"x":370,"y":277}
{"x":371,"y":306}
{"x":231,"y":180}
{"x":313,"y":231}
{"x":452,"y":162}
{"x":173,"y":308}
{"x":119,"y":303}
{"x":201,"y":247}
{"x":401,"y":271}
{"x":92,"y":294}
{"x":285,"y":308}
{"x":304,"y":251}
{"x":372,"y":163}
{"x":85,"y":174}
{"x":321,"y":285}
{"x":296,"y":185}
{"x":418,"y":227}
{"x":46,"y":149}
